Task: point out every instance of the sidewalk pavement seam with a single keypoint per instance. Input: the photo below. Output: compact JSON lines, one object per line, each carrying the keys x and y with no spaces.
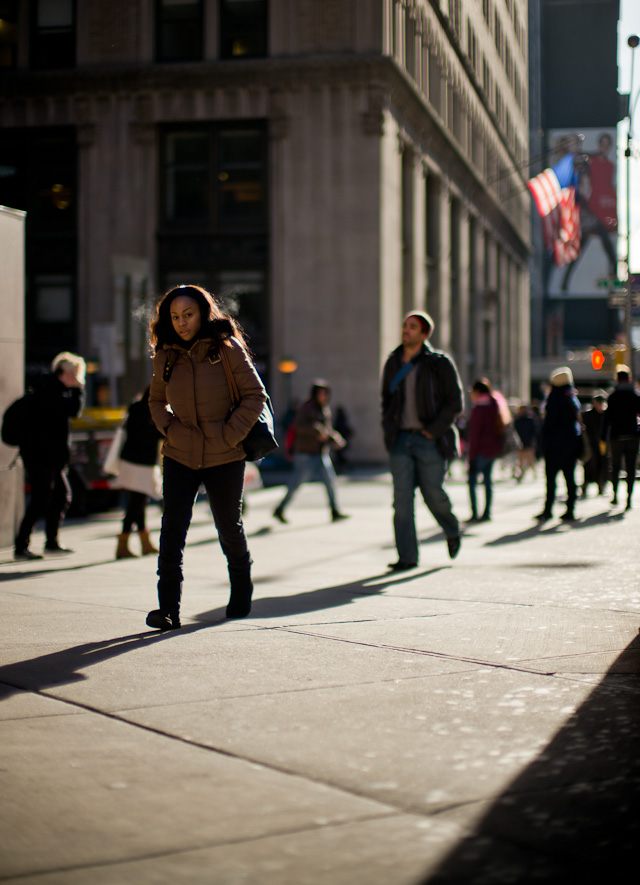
{"x":392,"y":809}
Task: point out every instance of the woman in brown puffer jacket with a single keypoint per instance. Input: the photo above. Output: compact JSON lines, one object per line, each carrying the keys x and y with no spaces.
{"x":190,"y":405}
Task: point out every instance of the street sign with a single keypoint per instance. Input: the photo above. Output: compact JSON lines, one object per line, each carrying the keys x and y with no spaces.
{"x":619,"y":299}
{"x":619,"y":285}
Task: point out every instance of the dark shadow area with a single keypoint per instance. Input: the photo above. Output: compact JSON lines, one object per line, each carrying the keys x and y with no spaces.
{"x":66,"y":666}
{"x":552,"y":527}
{"x":574,"y":814}
{"x":553,"y":566}
{"x":41,"y":572}
{"x":324,"y":597}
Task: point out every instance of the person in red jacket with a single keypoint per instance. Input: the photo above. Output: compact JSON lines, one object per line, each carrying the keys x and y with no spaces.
{"x":486,"y":431}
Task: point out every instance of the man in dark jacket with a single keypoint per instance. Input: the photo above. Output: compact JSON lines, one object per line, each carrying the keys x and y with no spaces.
{"x":421,"y":399}
{"x":620,"y":430}
{"x":44,"y":450}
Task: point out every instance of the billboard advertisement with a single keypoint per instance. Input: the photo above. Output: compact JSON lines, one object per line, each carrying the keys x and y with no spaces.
{"x":594,"y":152}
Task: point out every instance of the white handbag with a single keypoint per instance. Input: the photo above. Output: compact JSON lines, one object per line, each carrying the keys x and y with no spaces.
{"x":112,"y":461}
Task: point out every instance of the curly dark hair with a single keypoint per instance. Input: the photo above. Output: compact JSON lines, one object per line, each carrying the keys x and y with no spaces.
{"x":161,"y":328}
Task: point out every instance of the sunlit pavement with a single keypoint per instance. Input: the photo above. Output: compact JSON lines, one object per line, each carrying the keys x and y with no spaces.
{"x":474,"y":721}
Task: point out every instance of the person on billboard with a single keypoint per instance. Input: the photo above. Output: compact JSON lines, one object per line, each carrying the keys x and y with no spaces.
{"x":602,"y":201}
{"x":590,"y":224}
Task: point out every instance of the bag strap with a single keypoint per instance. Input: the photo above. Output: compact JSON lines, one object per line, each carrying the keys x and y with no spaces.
{"x":400,"y":375}
{"x":234,"y":394}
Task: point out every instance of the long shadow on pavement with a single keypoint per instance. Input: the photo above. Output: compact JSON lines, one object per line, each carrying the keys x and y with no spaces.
{"x":546,"y":529}
{"x":322,"y":598}
{"x":574,"y":814}
{"x":66,"y":666}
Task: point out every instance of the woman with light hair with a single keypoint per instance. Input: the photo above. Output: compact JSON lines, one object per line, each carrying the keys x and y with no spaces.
{"x":44,"y":450}
{"x":561,"y":429}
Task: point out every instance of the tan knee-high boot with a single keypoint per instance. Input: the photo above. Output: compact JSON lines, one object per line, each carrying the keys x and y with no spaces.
{"x":122,"y":550}
{"x":145,"y":541}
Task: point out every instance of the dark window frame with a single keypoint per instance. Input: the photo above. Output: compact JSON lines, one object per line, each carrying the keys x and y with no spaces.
{"x":9,"y":13}
{"x":232,"y":30}
{"x":215,"y":221}
{"x":164,"y":57}
{"x":42,"y":57}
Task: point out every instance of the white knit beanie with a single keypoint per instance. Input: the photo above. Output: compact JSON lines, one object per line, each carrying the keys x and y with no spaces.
{"x":562,"y":376}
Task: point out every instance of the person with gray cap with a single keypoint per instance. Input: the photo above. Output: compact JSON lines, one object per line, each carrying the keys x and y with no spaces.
{"x":314,"y":435}
{"x":421,"y":399}
{"x":561,"y":429}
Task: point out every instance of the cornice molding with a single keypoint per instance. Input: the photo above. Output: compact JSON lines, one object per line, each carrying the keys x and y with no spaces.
{"x":389,"y":89}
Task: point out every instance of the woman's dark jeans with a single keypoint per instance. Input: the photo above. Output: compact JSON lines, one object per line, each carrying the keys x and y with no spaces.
{"x":224,"y":486}
{"x":561,"y":462}
{"x":135,"y":513}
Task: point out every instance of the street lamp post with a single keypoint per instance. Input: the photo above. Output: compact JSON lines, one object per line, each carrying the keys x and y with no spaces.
{"x":632,"y":42}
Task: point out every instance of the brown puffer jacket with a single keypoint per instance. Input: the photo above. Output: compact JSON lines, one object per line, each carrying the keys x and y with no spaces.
{"x":191,"y":409}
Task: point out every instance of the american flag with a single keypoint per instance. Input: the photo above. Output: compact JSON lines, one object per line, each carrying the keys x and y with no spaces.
{"x":554,"y":193}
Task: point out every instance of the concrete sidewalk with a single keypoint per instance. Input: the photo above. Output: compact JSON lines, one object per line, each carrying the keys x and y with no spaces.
{"x":473,"y":722}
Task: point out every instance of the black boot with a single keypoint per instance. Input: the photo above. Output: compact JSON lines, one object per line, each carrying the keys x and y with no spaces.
{"x":167,"y":617}
{"x":163,"y":620}
{"x":241,"y":591}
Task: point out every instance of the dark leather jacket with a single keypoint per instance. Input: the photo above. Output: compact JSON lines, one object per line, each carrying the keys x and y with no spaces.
{"x":438,"y":394}
{"x":620,"y":418}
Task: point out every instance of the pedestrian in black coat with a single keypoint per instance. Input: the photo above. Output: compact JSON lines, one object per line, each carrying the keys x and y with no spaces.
{"x":45,"y":451}
{"x":620,"y":431}
{"x":561,"y":440}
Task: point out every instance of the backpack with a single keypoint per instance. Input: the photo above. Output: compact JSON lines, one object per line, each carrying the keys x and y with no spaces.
{"x":15,"y":420}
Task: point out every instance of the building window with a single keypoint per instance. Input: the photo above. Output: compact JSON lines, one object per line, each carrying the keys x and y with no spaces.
{"x":240,"y":170}
{"x":187,"y":176}
{"x":435,"y":83}
{"x":38,"y":175}
{"x":243,"y":28}
{"x":215,"y":176}
{"x":213,"y":225}
{"x":454,"y":17}
{"x":53,"y":299}
{"x":53,"y":34}
{"x":179,"y":30}
{"x":8,"y":33}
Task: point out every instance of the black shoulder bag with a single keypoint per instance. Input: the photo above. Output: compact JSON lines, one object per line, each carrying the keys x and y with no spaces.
{"x":261,"y":440}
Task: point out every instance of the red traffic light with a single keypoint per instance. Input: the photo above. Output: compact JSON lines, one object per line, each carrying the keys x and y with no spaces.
{"x":597,"y":359}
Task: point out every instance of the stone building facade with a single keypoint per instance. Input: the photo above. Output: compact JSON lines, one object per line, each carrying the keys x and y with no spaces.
{"x":324,"y":165}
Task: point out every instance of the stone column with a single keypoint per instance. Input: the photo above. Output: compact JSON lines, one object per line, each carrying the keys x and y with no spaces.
{"x":279,"y":148}
{"x":442,"y":335}
{"x":462,"y":333}
{"x":419,"y":254}
{"x":475,"y":294}
{"x":501,"y":380}
{"x":524,"y":324}
{"x":390,"y":214}
{"x":86,"y":134}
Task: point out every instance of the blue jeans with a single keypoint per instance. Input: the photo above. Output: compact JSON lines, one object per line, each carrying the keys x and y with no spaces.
{"x":224,"y":487}
{"x":481,"y":466}
{"x":306,"y":468}
{"x":416,"y":462}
